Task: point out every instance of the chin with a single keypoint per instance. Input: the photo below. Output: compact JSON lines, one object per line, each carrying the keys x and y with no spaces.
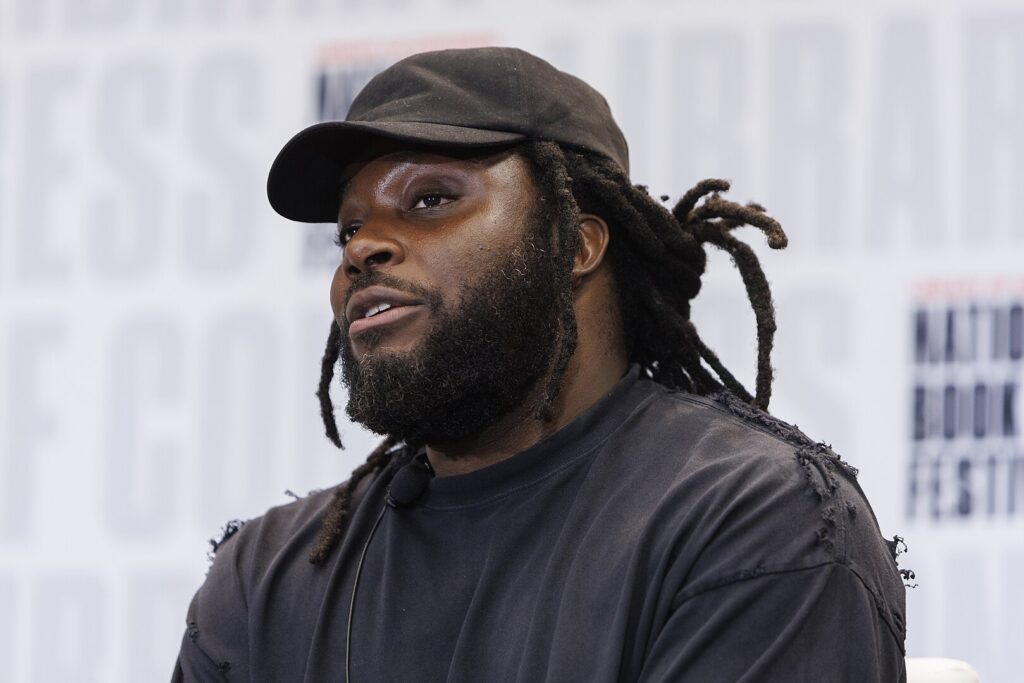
{"x":385,"y":341}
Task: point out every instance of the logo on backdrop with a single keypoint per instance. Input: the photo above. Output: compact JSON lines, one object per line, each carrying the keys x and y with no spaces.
{"x":341,"y":72}
{"x":967,"y":452}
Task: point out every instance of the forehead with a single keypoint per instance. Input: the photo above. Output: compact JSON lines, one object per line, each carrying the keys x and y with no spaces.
{"x":380,"y":156}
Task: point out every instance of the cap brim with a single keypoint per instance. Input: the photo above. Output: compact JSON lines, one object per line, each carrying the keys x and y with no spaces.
{"x":305,"y":178}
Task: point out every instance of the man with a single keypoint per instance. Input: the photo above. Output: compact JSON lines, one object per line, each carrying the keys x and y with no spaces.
{"x":573,"y":487}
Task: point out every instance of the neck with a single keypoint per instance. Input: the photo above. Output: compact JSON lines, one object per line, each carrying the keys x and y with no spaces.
{"x":588,"y":377}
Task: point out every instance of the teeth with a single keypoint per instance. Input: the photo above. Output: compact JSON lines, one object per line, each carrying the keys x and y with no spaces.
{"x":379,"y":308}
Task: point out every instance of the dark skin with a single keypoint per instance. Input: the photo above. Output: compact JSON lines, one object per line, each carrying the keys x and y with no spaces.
{"x":438,"y":219}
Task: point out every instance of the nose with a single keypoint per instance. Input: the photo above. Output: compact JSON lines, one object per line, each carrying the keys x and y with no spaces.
{"x":373,"y":245}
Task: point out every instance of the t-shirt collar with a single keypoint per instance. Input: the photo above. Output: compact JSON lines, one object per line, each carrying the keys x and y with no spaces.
{"x":565,"y":448}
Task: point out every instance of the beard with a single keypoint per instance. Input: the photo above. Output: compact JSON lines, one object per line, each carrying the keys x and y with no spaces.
{"x":477,"y":360}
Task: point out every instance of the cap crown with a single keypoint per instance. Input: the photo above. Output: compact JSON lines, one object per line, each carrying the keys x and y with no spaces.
{"x":497,"y":89}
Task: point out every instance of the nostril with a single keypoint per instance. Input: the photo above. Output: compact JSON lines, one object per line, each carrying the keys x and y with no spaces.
{"x":377,"y":259}
{"x":357,"y":264}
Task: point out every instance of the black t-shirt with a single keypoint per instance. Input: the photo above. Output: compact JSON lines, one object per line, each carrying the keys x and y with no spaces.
{"x":658,"y":537}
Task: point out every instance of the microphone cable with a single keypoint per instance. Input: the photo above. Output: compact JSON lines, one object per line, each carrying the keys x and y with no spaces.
{"x":355,"y":587}
{"x":406,"y":487}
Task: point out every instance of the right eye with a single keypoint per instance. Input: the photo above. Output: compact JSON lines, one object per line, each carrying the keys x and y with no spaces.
{"x":345,"y":234}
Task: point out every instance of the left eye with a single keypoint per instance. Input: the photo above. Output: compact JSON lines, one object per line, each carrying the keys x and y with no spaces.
{"x":431,"y":201}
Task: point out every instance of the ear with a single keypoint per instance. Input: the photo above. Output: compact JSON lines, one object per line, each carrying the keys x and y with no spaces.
{"x":593,"y":232}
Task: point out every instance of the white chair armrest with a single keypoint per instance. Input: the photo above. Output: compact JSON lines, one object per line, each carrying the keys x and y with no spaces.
{"x":939,"y":670}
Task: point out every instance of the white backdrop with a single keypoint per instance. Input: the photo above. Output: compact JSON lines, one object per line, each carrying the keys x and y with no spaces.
{"x":161,"y":327}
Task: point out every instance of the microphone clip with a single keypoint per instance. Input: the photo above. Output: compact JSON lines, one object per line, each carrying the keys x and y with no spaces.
{"x":410,"y":482}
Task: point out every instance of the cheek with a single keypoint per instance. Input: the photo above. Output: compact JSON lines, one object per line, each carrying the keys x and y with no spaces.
{"x":476,"y":254}
{"x":446,"y":275}
{"x":339,"y":285}
{"x":500,"y":230}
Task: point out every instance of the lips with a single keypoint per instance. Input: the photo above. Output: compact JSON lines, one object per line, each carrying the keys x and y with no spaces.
{"x":376,"y":306}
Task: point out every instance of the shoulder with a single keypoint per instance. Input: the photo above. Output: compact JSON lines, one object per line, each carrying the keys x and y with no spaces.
{"x":270,"y":549}
{"x":263,"y":538}
{"x":282,"y":534}
{"x":722,"y":445}
{"x":752,"y":495}
{"x":216,"y":636}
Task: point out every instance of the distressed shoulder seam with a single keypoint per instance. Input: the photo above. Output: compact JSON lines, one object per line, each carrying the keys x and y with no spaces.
{"x":220,"y":667}
{"x":747,"y":415}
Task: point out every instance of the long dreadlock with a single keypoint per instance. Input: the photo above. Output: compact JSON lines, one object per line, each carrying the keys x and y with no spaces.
{"x":657,"y":258}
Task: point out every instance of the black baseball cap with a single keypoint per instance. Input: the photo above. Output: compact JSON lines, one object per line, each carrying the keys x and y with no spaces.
{"x":477,"y":97}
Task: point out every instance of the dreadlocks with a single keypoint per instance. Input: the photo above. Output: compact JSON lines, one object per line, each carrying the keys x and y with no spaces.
{"x":657,"y":258}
